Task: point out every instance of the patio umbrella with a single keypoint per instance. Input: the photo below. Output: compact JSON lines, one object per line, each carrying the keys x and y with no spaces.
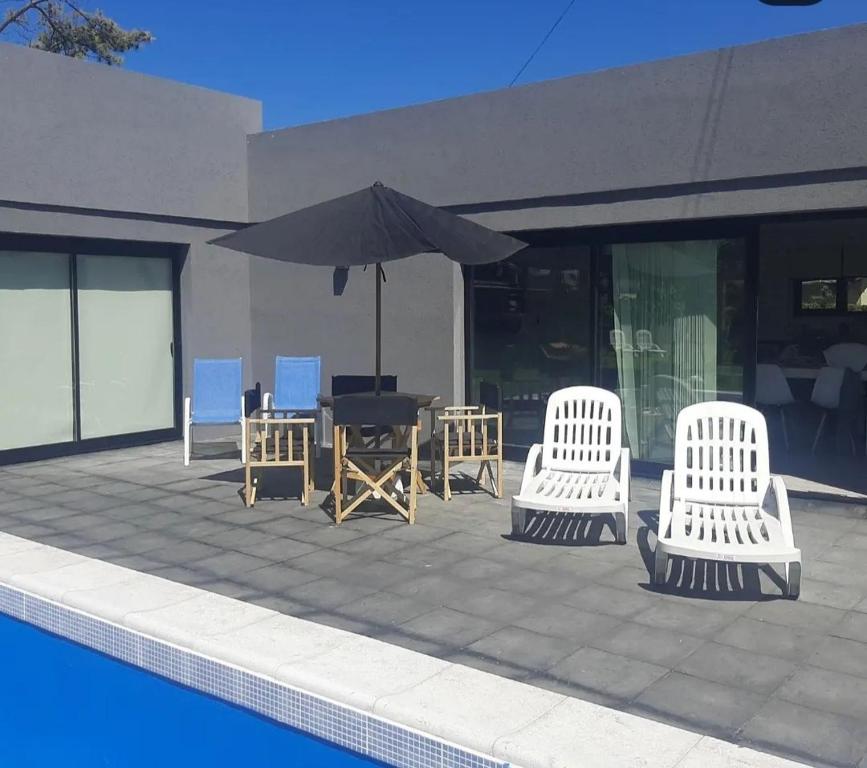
{"x":374,"y":225}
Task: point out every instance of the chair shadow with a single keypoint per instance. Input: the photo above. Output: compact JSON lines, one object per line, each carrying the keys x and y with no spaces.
{"x":566,"y":530}
{"x":460,"y":484}
{"x":704,"y":579}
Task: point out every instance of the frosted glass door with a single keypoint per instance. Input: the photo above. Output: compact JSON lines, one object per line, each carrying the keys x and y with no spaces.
{"x":36,"y":399}
{"x":125,"y":335}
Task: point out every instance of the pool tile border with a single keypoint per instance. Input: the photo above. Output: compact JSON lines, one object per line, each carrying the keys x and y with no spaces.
{"x":357,"y":731}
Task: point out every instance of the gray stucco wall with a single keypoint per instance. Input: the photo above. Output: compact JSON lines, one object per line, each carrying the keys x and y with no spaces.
{"x":90,"y":136}
{"x":660,"y":134}
{"x":294,"y":312}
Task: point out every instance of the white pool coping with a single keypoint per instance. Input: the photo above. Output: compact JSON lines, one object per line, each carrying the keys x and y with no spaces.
{"x":510,"y":721}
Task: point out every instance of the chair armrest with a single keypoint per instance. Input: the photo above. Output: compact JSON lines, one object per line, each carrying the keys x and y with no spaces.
{"x":781,"y":496}
{"x":623,"y":472}
{"x":533,"y":465}
{"x":665,"y":503}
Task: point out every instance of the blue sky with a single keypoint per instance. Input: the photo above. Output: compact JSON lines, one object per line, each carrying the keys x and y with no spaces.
{"x":310,"y":60}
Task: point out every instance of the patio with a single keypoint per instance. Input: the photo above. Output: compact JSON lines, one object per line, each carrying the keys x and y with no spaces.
{"x":717,"y":652}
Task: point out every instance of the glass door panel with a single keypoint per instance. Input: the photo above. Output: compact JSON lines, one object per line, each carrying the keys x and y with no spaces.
{"x":126,"y":334}
{"x":36,"y":396}
{"x":672,"y":327}
{"x":531,"y":333}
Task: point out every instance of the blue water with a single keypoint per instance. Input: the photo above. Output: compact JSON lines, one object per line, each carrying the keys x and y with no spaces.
{"x":65,"y":706}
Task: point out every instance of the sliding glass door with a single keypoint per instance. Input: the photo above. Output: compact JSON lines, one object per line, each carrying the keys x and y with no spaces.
{"x":661,"y":323}
{"x":671,"y":333}
{"x":532,"y":333}
{"x":126,"y":336}
{"x":36,"y":385}
{"x":86,"y":349}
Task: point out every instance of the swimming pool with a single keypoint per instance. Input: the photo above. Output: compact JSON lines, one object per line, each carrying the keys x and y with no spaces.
{"x":65,"y":705}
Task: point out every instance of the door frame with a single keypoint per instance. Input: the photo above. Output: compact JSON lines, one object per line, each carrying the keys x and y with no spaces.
{"x":72,"y":247}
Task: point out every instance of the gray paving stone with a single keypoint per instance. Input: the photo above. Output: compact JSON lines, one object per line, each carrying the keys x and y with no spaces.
{"x":657,"y":646}
{"x":185,"y":552}
{"x":600,"y":598}
{"x":521,"y":648}
{"x":841,"y":655}
{"x":806,"y":734}
{"x":731,"y":666}
{"x":448,"y":627}
{"x":689,"y":617}
{"x":561,"y":620}
{"x":278,"y":579}
{"x":424,"y":556}
{"x":227,"y":565}
{"x":384,"y":610}
{"x":766,"y":638}
{"x":699,"y":704}
{"x":491,"y":603}
{"x":325,"y":593}
{"x":606,"y":673}
{"x":370,"y":546}
{"x":828,"y":691}
{"x":853,"y":626}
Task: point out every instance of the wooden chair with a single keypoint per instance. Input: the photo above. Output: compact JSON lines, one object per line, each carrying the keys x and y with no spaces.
{"x":377,"y":467}
{"x":278,"y":441}
{"x":470,"y":433}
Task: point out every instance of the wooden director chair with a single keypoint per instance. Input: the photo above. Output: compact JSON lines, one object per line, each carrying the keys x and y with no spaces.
{"x":376,"y":467}
{"x":470,"y":433}
{"x":278,"y":441}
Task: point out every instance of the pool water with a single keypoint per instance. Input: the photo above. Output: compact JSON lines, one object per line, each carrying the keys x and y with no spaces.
{"x":65,"y":705}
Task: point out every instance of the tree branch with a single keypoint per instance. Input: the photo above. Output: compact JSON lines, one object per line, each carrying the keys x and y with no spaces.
{"x":15,"y":16}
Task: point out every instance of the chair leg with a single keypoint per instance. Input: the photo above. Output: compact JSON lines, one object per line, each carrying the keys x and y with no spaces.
{"x":305,"y":492}
{"x":243,"y":440}
{"x":248,"y":486}
{"x":447,"y":489}
{"x":660,"y":566}
{"x":519,"y":520}
{"x":793,"y":580}
{"x":413,"y":484}
{"x":500,"y":475}
{"x":620,"y":527}
{"x":819,"y":430}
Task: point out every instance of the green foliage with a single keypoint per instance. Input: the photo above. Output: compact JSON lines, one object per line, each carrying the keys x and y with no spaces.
{"x":60,"y":26}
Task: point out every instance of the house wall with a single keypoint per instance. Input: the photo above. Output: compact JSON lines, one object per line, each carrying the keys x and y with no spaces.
{"x":92,"y":151}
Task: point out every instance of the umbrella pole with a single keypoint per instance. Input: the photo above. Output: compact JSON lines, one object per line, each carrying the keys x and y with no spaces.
{"x":378,"y":371}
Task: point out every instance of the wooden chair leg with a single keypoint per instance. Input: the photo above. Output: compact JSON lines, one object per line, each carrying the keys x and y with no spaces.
{"x":819,"y":430}
{"x":447,"y":489}
{"x":413,"y":472}
{"x":500,"y":474}
{"x":305,"y":492}
{"x":248,"y":487}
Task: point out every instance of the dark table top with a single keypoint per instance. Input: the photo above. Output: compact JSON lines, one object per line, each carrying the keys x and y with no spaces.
{"x":424,"y":401}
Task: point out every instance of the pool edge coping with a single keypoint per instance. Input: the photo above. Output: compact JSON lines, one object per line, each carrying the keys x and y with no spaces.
{"x":443,"y":718}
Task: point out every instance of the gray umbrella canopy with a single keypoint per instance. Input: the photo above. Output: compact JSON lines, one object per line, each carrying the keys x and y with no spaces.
{"x":371,"y":226}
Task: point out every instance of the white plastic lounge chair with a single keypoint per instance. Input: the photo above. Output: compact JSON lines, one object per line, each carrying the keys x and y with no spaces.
{"x":581,"y":467}
{"x":716,"y":504}
{"x":218,"y":399}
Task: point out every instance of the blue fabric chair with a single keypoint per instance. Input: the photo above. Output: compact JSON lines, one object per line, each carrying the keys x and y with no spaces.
{"x":218,"y":398}
{"x":296,"y":391}
{"x":296,"y":384}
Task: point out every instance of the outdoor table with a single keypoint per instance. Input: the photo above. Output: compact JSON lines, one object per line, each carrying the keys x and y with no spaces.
{"x":400,"y":435}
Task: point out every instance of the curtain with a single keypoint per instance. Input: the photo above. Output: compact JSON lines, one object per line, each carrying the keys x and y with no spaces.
{"x":664,"y":299}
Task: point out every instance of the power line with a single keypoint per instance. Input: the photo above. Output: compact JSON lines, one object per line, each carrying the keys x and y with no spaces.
{"x":541,"y":44}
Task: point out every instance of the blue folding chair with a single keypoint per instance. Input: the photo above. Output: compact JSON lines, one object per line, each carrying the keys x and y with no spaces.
{"x":218,"y":399}
{"x":296,"y":389}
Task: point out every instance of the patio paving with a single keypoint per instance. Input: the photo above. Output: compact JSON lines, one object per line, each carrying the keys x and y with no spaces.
{"x":717,"y":651}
